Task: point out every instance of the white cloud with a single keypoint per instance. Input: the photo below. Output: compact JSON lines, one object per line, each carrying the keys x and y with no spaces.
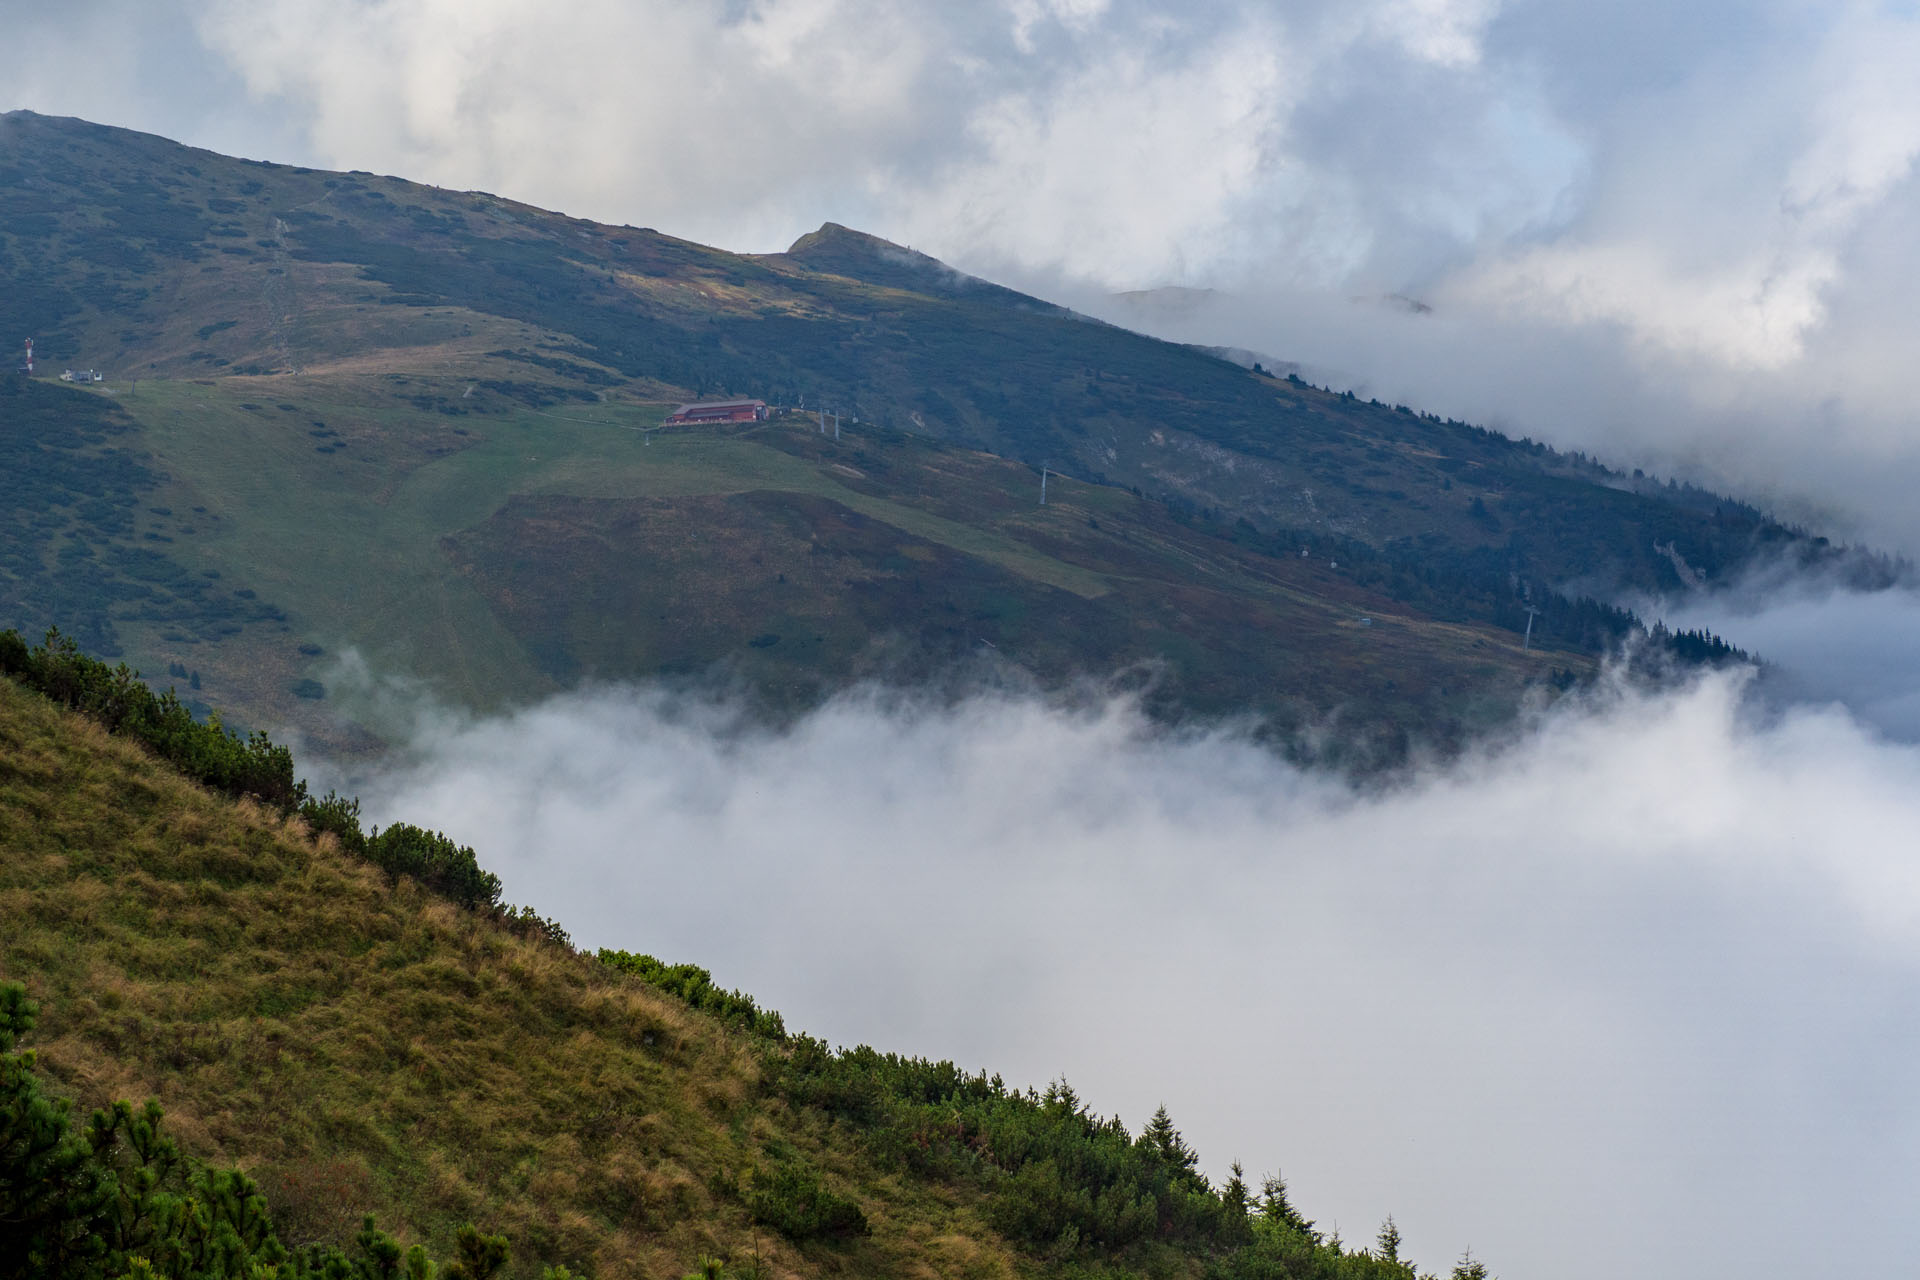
{"x":1728,"y":214}
{"x":1823,"y":642}
{"x":1059,"y":169}
{"x":1754,"y":313}
{"x":1444,"y":32}
{"x":1631,"y":995}
{"x":134,"y":63}
{"x":1075,"y":15}
{"x":1114,"y":142}
{"x":665,"y":111}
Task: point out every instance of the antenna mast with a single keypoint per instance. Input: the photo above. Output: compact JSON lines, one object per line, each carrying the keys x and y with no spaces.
{"x":1043,"y":483}
{"x":1526,"y":641}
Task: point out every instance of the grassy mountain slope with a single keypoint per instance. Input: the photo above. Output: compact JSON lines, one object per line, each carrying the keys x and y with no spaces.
{"x":508,"y":550}
{"x":77,"y":542}
{"x":359,"y":412}
{"x":137,"y":254}
{"x":360,"y":1045}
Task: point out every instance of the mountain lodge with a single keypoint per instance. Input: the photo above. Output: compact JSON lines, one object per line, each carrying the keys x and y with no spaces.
{"x":718,"y":411}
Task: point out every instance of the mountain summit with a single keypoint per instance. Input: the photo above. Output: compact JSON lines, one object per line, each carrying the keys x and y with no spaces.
{"x":842,"y":251}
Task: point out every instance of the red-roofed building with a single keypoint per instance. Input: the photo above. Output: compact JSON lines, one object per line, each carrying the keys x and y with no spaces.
{"x":719,"y":411}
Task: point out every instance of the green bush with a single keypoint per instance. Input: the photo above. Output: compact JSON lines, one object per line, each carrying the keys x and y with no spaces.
{"x":117,"y":699}
{"x":695,"y":986}
{"x":255,"y":766}
{"x":435,"y":861}
{"x":792,"y":1200}
{"x":336,"y":815}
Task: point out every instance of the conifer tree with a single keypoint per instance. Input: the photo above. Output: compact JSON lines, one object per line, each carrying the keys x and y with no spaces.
{"x":51,"y":1195}
{"x":1236,"y":1207}
{"x":1278,"y":1212}
{"x":1234,"y":1198}
{"x":1386,"y":1245}
{"x":1470,"y":1268}
{"x":380,"y":1251}
{"x":477,"y":1256}
{"x":1164,"y":1141}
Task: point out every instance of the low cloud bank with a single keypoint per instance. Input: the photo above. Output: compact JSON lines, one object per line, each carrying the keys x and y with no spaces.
{"x":1817,"y":441}
{"x":1635,"y":993}
{"x":1822,"y":641}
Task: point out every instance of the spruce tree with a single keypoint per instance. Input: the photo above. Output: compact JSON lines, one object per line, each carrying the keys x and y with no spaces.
{"x":52,"y":1196}
{"x":1234,"y":1198}
{"x":1278,"y":1212}
{"x":1236,"y":1207}
{"x":1386,"y":1245}
{"x":478,"y":1256}
{"x":1164,"y":1141}
{"x":1470,"y":1268}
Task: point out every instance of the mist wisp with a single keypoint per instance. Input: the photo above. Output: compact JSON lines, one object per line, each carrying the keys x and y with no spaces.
{"x":1822,"y":638}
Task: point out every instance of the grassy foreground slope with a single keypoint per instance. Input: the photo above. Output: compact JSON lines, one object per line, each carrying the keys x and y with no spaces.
{"x":363,"y":1047}
{"x":360,"y":1045}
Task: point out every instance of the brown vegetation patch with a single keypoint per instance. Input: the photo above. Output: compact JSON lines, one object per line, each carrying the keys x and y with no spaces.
{"x":365,"y":1047}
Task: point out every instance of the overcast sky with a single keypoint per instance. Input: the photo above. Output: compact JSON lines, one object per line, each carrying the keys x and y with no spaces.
{"x":1681,"y":236}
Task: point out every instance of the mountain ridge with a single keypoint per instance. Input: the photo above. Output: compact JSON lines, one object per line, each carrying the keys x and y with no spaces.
{"x":391,"y":347}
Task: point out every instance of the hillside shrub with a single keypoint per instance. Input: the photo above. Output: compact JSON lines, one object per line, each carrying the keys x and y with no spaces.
{"x":791,"y":1198}
{"x":525,"y":922}
{"x":695,"y":985}
{"x":443,"y":866}
{"x":339,"y":817}
{"x":1062,"y":1181}
{"x":118,"y":700}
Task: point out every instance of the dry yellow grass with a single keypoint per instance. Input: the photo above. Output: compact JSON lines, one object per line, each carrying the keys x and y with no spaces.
{"x":364,"y":1047}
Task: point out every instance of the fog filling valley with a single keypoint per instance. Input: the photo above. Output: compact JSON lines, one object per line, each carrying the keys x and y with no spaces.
{"x":1633,"y":992}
